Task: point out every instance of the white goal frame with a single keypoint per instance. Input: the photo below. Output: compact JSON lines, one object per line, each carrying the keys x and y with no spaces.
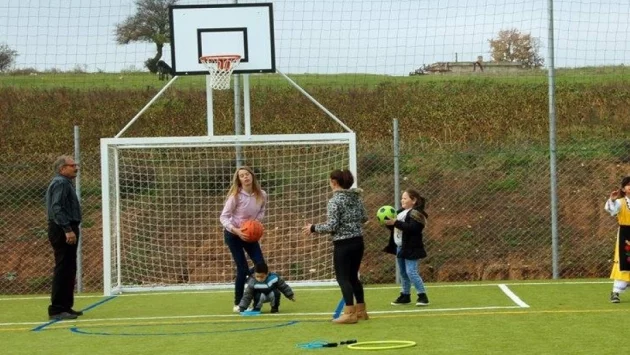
{"x":112,"y":268}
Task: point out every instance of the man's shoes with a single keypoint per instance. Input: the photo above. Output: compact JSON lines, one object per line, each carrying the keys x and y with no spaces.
{"x":76,"y":313}
{"x":614,"y":297}
{"x":423,"y":300}
{"x":274,"y":309}
{"x":62,"y":316}
{"x":236,"y":309}
{"x":402,"y":299}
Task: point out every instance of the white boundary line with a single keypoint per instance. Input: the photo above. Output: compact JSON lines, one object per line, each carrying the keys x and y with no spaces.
{"x":513,"y":296}
{"x":502,"y":286}
{"x":551,"y":283}
{"x":285,"y":316}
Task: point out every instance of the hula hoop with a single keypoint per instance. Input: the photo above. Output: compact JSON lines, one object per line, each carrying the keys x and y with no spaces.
{"x":396,"y":344}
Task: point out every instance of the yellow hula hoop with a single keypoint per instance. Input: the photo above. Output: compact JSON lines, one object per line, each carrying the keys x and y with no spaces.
{"x":385,"y":345}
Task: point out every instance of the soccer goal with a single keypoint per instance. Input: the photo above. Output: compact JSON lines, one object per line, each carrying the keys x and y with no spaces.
{"x":162,"y":198}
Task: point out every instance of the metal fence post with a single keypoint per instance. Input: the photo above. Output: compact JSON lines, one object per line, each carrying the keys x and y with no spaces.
{"x":552,"y":149}
{"x":396,"y":182}
{"x":77,"y":159}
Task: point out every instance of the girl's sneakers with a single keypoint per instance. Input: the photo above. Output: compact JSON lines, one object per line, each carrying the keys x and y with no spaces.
{"x":423,"y":300}
{"x":402,"y":299}
{"x":614,"y":297}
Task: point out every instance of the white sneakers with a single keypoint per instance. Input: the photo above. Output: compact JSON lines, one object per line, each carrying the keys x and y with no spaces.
{"x":236,"y":309}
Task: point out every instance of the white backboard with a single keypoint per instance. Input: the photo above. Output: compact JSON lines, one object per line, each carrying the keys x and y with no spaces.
{"x":201,"y":30}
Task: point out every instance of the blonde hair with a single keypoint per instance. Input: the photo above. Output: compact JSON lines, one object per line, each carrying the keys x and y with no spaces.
{"x":236,"y":185}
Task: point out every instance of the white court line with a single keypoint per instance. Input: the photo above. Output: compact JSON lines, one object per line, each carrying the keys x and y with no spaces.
{"x":44,"y":298}
{"x":513,"y":296}
{"x":550,"y":283}
{"x":267,"y":316}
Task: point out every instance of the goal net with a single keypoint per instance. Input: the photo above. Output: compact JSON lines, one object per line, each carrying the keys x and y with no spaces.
{"x":162,"y":198}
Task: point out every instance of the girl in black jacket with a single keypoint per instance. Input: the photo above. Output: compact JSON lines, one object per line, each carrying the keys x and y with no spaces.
{"x":406,"y":243}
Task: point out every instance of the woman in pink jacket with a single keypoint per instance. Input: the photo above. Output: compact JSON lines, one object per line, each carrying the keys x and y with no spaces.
{"x":245,"y":201}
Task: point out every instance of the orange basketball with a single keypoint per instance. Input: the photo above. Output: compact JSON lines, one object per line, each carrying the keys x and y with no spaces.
{"x":253,"y":229}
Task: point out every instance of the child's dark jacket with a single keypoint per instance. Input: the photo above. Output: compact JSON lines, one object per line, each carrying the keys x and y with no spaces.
{"x":271,"y":283}
{"x":412,"y":238}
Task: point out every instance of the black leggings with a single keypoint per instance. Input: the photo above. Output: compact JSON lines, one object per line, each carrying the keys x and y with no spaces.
{"x":347,"y":257}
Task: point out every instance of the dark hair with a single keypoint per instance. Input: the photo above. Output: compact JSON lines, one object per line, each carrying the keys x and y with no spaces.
{"x":261,"y":268}
{"x":420,"y":201}
{"x":625,"y":181}
{"x":343,"y":177}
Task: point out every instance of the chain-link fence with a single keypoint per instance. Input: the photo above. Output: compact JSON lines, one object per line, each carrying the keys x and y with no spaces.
{"x":474,"y":129}
{"x":27,"y":256}
{"x":489,"y":213}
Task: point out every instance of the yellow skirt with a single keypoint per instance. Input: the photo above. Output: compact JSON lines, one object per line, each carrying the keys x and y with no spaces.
{"x":617,"y":274}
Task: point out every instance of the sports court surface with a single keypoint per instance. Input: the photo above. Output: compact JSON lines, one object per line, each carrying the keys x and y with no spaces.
{"x":547,"y":317}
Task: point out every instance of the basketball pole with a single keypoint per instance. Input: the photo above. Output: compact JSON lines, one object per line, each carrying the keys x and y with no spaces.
{"x":238,"y":127}
{"x":146,"y":107}
{"x":312,"y":99}
{"x":209,"y":107}
{"x":246,"y":105}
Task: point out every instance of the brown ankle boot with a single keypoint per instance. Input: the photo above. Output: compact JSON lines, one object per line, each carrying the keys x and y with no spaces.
{"x":349,"y":316}
{"x":361,"y":312}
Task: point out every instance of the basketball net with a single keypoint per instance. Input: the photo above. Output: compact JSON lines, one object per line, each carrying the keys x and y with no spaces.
{"x":220,"y":69}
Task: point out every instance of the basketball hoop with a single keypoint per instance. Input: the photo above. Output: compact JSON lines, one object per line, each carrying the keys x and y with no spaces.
{"x":220,"y":68}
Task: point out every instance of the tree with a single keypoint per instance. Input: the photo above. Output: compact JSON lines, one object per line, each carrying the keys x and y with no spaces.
{"x":7,"y":57}
{"x":513,"y":46}
{"x":149,"y":24}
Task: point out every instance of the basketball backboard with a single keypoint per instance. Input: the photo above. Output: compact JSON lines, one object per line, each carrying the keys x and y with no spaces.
{"x":203,"y":30}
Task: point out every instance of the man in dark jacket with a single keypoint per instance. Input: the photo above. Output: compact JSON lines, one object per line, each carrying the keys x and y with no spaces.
{"x":64,"y":216}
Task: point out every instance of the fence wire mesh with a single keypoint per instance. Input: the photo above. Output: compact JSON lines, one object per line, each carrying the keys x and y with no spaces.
{"x":470,"y":82}
{"x":489,"y":214}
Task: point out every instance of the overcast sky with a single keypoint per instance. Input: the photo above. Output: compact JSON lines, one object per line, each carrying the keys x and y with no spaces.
{"x":325,"y":36}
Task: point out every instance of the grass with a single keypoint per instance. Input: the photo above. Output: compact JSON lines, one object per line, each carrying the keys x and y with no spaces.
{"x":146,"y":80}
{"x":549,"y":317}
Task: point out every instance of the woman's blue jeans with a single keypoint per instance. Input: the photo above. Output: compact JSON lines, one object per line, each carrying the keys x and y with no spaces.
{"x":238,"y":248}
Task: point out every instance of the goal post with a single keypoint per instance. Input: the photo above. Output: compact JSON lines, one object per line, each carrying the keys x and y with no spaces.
{"x":162,"y":197}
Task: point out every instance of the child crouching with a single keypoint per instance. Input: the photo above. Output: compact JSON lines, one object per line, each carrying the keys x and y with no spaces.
{"x":265,"y":287}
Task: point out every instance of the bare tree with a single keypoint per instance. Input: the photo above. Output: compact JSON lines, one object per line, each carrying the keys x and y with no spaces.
{"x":149,"y":24}
{"x":7,"y":57}
{"x":513,"y":46}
